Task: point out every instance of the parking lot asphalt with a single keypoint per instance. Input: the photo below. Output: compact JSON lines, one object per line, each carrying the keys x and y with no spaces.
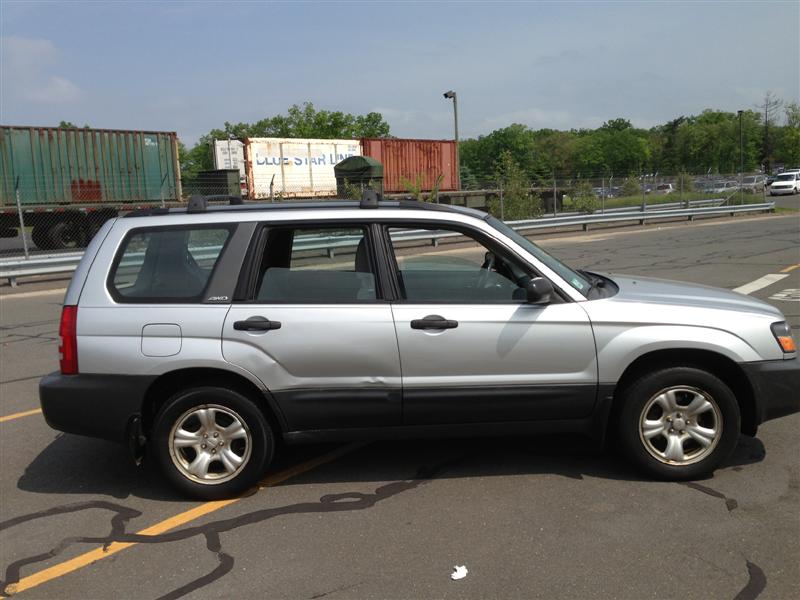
{"x":547,"y":517}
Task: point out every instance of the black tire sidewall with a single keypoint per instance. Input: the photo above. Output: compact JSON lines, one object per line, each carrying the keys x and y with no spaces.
{"x":40,"y":236}
{"x":64,"y":233}
{"x":637,"y":395}
{"x":262,"y":447}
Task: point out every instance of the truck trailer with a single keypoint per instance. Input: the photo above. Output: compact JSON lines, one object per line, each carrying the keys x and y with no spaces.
{"x":67,"y":182}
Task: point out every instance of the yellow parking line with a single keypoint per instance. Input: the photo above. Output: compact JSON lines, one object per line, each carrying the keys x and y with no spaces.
{"x":19,"y":415}
{"x":97,"y":554}
{"x":792,"y":268}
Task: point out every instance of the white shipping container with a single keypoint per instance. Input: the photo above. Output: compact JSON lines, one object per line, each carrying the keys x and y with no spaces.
{"x":229,"y":154}
{"x":296,"y":167}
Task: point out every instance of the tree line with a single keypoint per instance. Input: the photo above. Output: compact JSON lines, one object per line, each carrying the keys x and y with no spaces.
{"x":695,"y":144}
{"x":299,"y":122}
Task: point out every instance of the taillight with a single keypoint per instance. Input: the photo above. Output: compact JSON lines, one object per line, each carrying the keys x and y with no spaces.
{"x":68,"y":350}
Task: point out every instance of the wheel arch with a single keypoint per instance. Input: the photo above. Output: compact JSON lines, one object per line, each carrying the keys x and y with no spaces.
{"x":172,"y":382}
{"x":717,"y":364}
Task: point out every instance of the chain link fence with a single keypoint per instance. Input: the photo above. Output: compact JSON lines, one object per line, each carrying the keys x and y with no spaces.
{"x":46,"y":217}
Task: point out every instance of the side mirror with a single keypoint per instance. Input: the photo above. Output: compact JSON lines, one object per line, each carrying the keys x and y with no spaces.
{"x":538,"y":291}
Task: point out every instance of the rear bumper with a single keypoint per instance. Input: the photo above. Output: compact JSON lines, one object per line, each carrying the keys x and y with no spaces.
{"x":101,"y":406}
{"x":776,"y":387}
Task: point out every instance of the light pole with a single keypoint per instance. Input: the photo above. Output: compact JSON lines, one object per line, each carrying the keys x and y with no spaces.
{"x":451,"y":94}
{"x":741,"y":159}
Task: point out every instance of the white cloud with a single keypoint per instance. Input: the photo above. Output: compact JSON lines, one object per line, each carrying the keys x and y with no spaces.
{"x":55,"y":90}
{"x":27,"y":72}
{"x":25,"y":54}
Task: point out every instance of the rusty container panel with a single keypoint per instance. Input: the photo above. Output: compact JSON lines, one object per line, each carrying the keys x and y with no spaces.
{"x":407,"y":159}
{"x":56,"y":166}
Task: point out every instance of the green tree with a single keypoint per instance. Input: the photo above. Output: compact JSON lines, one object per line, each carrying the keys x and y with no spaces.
{"x":415,"y":187}
{"x":631,"y":187}
{"x":299,"y":122}
{"x":787,"y":150}
{"x":519,"y":201}
{"x":583,"y":199}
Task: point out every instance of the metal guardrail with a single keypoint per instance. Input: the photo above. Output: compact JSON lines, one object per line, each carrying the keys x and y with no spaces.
{"x":12,"y":269}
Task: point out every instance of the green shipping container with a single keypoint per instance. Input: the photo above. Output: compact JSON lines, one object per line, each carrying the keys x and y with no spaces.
{"x":58,"y":166}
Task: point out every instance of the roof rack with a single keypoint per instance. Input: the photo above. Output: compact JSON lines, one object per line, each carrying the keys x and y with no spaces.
{"x":370,"y":199}
{"x":199,"y":204}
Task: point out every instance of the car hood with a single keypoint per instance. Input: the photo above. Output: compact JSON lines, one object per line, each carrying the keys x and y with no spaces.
{"x":664,"y":291}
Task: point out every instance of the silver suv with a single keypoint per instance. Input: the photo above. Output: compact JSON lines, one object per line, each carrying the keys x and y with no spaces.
{"x":207,"y":334}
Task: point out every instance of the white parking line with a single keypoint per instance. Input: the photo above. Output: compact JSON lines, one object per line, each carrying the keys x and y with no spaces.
{"x":761,"y":282}
{"x":790,"y":295}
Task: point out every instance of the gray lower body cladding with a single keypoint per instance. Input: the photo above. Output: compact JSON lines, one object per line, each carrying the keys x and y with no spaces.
{"x":776,"y":387}
{"x":100,"y":406}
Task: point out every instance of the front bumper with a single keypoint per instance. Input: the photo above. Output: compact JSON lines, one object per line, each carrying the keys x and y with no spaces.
{"x":773,"y":191}
{"x":776,"y":387}
{"x":101,"y":406}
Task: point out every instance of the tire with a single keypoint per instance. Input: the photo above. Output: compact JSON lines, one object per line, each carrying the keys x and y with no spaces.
{"x":41,"y":237}
{"x":678,"y":423}
{"x":212,"y":458}
{"x":66,"y":234}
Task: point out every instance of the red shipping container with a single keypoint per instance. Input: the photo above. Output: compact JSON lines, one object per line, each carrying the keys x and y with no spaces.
{"x":410,"y":158}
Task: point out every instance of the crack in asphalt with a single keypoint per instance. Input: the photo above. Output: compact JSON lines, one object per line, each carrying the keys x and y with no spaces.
{"x":45,"y":336}
{"x":23,"y":379}
{"x":756,"y":583}
{"x":730,"y":503}
{"x":757,"y":580}
{"x":122,"y":515}
{"x":329,"y":503}
{"x":13,"y":326}
{"x":333,"y":591}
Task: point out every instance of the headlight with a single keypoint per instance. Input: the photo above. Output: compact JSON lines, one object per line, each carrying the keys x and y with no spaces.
{"x":783,"y":334}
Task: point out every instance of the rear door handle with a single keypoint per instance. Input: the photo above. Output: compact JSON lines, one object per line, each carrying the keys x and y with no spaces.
{"x":433,"y":322}
{"x":256,"y":324}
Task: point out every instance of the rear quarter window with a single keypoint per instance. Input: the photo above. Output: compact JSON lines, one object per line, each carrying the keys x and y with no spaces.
{"x":167,"y":264}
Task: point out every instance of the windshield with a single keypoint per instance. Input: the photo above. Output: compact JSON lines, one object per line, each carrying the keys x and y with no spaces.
{"x":749,"y":180}
{"x":786,"y":177}
{"x":572,"y":277}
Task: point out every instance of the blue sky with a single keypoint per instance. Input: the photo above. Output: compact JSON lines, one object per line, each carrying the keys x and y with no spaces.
{"x":191,"y":66}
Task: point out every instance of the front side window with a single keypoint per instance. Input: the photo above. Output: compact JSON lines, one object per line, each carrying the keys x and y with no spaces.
{"x":316,"y":265}
{"x":469,"y":272}
{"x":167,"y":264}
{"x":575,"y":279}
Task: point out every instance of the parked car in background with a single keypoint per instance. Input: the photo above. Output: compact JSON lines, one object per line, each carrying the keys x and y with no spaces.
{"x":723,"y":187}
{"x":665,"y":188}
{"x":753,"y":184}
{"x":785,"y":183}
{"x":600,"y":192}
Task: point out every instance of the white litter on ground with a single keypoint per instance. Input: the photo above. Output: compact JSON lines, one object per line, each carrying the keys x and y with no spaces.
{"x":459,"y":572}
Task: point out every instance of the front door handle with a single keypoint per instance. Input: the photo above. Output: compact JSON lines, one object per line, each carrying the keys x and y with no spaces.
{"x":256,"y":324}
{"x":433,"y":322}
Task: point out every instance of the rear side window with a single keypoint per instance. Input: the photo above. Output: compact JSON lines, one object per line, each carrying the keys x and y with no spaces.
{"x":167,"y":264}
{"x":311,"y":265}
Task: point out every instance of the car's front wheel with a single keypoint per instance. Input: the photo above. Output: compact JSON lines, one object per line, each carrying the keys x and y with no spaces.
{"x":678,"y":423}
{"x":212,"y":442}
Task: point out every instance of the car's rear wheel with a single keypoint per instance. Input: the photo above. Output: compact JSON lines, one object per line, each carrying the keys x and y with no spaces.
{"x":678,"y":423}
{"x":212,"y":442}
